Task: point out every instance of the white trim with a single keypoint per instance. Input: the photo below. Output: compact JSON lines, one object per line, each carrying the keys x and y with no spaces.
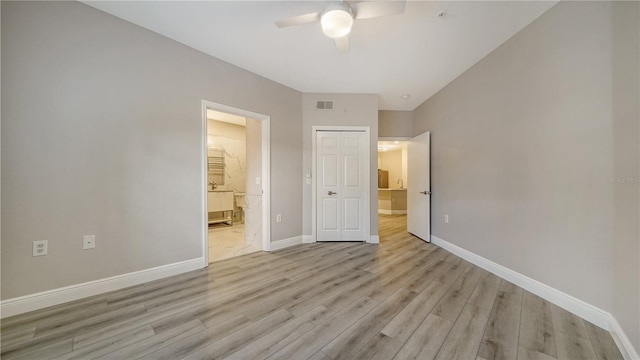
{"x":367,"y":131}
{"x":65,"y":294}
{"x":573,"y":305}
{"x":266,"y":183}
{"x":391,"y":212}
{"x":285,"y":243}
{"x":265,"y":130}
{"x":621,"y":339}
{"x":307,"y":239}
{"x":203,"y":188}
{"x":373,"y":239}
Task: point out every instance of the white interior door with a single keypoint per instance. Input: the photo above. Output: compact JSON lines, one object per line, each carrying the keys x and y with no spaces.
{"x":419,"y":187}
{"x":341,"y":190}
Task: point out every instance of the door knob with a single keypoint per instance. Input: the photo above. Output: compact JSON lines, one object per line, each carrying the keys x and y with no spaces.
{"x":425,"y":192}
{"x":331,"y":193}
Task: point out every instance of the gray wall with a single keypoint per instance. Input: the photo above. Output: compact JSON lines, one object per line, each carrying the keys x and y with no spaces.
{"x":350,"y":110}
{"x":625,"y":95}
{"x":395,"y":123}
{"x":101,"y":135}
{"x":524,"y":147}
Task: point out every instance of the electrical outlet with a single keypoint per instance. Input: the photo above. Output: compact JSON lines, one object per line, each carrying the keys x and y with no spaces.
{"x":279,"y":218}
{"x":446,"y":219}
{"x":40,"y":248}
{"x":88,"y":242}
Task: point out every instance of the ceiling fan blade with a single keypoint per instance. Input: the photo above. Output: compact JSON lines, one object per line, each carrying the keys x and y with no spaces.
{"x":342,"y":43}
{"x":372,"y":9}
{"x":298,"y":20}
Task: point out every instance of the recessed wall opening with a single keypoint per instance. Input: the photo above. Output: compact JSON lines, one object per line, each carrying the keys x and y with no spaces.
{"x":235,"y":166}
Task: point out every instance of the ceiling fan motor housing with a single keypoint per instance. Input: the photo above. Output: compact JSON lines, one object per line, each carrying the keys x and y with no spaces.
{"x":336,"y":20}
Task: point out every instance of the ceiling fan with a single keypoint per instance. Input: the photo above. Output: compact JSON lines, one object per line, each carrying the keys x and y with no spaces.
{"x":337,"y":17}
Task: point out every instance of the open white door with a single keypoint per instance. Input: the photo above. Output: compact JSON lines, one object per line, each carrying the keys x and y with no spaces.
{"x":419,"y":187}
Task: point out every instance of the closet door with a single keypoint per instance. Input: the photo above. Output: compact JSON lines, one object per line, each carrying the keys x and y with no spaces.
{"x":341,"y":211}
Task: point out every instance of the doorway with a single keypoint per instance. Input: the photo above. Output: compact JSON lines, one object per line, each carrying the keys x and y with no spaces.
{"x":404,"y":191}
{"x":235,"y":182}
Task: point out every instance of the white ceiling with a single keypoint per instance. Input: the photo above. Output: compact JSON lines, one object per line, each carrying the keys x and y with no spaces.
{"x":225,"y":117}
{"x":415,"y":53}
{"x":390,"y":145}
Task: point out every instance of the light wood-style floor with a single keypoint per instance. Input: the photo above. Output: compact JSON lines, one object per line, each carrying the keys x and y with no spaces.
{"x":403,"y":299}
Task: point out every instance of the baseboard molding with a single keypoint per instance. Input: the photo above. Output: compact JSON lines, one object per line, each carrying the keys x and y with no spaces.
{"x":285,"y":243}
{"x":565,"y":301}
{"x":307,"y":239}
{"x":392,"y":212}
{"x":575,"y":306}
{"x":621,"y":339}
{"x":374,"y":239}
{"x":65,"y":294}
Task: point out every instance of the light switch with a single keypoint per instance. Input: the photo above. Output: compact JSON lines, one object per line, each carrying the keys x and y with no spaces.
{"x":257,"y":181}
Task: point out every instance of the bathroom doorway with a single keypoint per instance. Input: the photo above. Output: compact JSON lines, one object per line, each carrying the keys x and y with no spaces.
{"x":236,"y":167}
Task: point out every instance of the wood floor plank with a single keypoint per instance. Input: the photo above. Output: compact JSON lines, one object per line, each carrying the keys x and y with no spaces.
{"x":199,"y":340}
{"x":536,"y":327}
{"x":45,"y":351}
{"x":380,"y":347}
{"x":109,"y":345}
{"x":277,"y":339}
{"x":50,"y":336}
{"x":485,"y":292}
{"x":235,"y":341}
{"x":567,"y":323}
{"x":345,"y":345}
{"x":408,"y":319}
{"x":572,"y":347}
{"x":320,"y":356}
{"x":463,"y":340}
{"x":603,"y":345}
{"x":528,"y":354}
{"x":311,"y":342}
{"x":455,"y":299}
{"x":155,"y":342}
{"x":426,"y":340}
{"x":500,"y":339}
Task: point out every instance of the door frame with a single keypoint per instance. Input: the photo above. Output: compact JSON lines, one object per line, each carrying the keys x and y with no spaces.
{"x":367,"y":131}
{"x":266,"y":172}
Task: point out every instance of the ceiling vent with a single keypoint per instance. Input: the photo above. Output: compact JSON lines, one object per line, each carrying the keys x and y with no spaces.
{"x":324,"y":105}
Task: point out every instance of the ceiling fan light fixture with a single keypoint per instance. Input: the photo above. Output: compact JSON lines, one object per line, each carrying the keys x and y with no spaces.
{"x":336,"y":23}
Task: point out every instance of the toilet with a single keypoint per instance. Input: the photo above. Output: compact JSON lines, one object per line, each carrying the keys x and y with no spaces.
{"x":241,"y":205}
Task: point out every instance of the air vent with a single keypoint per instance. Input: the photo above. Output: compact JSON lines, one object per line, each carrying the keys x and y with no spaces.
{"x":324,"y":105}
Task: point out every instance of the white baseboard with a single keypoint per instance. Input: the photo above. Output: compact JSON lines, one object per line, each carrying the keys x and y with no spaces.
{"x":374,"y":239}
{"x":307,"y":239}
{"x":285,"y":243}
{"x":575,"y":306}
{"x":65,"y":294}
{"x":392,"y":212}
{"x":565,"y":301}
{"x":621,"y":339}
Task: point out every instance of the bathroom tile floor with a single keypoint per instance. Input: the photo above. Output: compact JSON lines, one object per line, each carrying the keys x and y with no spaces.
{"x":226,"y":241}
